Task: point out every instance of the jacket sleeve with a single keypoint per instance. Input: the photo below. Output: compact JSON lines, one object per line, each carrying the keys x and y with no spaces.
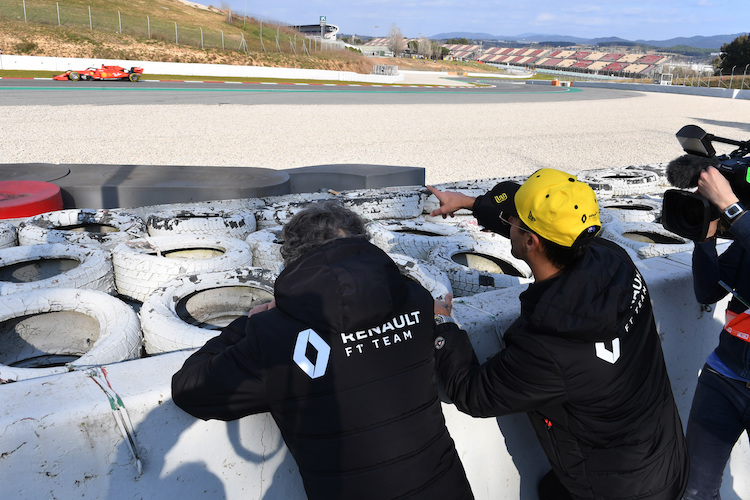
{"x":519,"y":378}
{"x":223,"y":379}
{"x":709,"y":267}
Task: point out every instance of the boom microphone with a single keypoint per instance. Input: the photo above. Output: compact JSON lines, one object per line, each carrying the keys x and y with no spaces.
{"x":683,"y":172}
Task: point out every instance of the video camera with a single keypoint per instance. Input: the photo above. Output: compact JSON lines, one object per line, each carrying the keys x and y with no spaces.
{"x":689,"y":214}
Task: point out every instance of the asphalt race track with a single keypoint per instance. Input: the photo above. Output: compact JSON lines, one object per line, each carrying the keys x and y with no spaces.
{"x":20,"y":92}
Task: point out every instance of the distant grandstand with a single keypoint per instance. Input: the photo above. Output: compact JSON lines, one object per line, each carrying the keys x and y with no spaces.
{"x":330,"y":30}
{"x":584,"y":61}
{"x":625,"y":64}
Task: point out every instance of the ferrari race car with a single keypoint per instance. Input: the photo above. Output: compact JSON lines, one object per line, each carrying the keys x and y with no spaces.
{"x":103,"y":73}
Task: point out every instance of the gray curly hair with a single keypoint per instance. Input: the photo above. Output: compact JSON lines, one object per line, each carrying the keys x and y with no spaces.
{"x":316,"y":225}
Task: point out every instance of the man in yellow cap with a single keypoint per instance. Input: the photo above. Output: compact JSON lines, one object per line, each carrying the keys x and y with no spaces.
{"x":583,"y":360}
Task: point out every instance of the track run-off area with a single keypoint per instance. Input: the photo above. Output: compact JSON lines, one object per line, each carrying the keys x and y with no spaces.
{"x":455,"y":132}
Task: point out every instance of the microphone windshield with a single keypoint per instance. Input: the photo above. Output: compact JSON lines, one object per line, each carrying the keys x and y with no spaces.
{"x":683,"y":172}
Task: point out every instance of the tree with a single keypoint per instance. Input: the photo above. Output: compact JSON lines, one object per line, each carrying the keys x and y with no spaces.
{"x":457,"y":41}
{"x":735,"y":53}
{"x":396,"y":41}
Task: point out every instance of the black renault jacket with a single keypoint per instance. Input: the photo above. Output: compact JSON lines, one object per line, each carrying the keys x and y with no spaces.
{"x":584,"y":361}
{"x":345,"y":364}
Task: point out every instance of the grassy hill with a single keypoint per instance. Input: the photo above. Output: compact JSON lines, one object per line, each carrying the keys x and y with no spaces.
{"x":159,"y":30}
{"x":173,"y":31}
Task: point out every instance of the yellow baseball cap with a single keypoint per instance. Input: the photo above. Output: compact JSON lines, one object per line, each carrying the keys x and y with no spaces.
{"x":558,"y":207}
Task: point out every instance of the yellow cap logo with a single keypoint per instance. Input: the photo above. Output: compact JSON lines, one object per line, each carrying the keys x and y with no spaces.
{"x":500,"y":198}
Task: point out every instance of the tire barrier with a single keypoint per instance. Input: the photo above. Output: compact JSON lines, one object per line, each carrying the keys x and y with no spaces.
{"x":105,"y":228}
{"x":479,"y":265}
{"x":412,"y":237}
{"x":641,"y":209}
{"x":188,"y":311}
{"x":370,"y":204}
{"x":57,"y":265}
{"x":279,"y":209}
{"x":265,"y":245}
{"x":384,"y":203}
{"x":433,"y":279}
{"x":645,"y":239}
{"x":143,"y":265}
{"x":620,"y":182}
{"x":56,"y":330}
{"x":202,"y":222}
{"x":8,"y":235}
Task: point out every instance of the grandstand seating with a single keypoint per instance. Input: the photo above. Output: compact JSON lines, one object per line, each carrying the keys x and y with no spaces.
{"x":615,"y":67}
{"x":588,"y":61}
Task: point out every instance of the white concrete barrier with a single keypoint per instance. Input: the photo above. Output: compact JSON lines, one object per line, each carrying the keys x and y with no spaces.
{"x":60,"y":435}
{"x":61,"y":64}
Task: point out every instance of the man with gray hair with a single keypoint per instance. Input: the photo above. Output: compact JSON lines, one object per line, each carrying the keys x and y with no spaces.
{"x":343,"y":359}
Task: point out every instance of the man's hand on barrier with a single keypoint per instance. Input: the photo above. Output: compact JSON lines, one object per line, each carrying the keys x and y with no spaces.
{"x":450,"y":201}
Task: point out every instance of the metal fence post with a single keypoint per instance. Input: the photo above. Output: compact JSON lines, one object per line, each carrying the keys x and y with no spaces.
{"x":91,"y":25}
{"x":176,"y":41}
{"x":742,"y":86}
{"x":148,"y":23}
{"x":731,"y":79}
{"x":119,"y":21}
{"x":24,"y":11}
{"x":58,"y":13}
{"x":222,"y":39}
{"x":200,"y":28}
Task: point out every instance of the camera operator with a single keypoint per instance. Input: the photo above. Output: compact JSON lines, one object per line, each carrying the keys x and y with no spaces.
{"x":721,"y":404}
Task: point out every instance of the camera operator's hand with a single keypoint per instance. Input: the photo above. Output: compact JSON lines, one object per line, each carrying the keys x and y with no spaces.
{"x":716,"y":188}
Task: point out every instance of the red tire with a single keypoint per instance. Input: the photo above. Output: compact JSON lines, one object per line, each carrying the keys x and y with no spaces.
{"x":26,"y":198}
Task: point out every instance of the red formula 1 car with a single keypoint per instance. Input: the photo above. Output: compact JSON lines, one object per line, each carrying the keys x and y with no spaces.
{"x":103,"y":73}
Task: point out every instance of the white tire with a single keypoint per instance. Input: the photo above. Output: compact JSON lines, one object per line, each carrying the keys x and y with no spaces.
{"x":265,"y":245}
{"x":412,"y":237}
{"x":640,"y":209}
{"x":105,"y":228}
{"x":8,"y":235}
{"x":621,"y":181}
{"x":278,"y":214}
{"x":480,"y":266}
{"x":37,"y":267}
{"x":56,"y":330}
{"x":202,"y":221}
{"x":384,"y":203}
{"x":142,"y":265}
{"x":433,"y":279}
{"x":188,"y":311}
{"x":645,"y":239}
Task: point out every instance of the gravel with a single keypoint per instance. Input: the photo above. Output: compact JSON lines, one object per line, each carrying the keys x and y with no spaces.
{"x":452,"y":142}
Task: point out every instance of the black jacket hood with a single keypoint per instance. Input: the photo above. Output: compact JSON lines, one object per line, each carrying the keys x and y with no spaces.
{"x":590,"y":301}
{"x":327,"y":286}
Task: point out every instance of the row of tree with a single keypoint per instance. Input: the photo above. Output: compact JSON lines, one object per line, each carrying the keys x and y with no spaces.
{"x":429,"y":49}
{"x":734,"y":54}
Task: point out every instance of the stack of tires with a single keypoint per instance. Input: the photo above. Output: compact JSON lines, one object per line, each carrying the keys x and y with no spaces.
{"x":102,"y":286}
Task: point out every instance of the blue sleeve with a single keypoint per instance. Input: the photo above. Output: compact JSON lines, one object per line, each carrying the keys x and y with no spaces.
{"x":709,"y":268}
{"x":223,"y":379}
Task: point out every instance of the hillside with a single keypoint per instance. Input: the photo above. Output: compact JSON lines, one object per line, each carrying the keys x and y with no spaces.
{"x":41,"y":36}
{"x":145,"y":30}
